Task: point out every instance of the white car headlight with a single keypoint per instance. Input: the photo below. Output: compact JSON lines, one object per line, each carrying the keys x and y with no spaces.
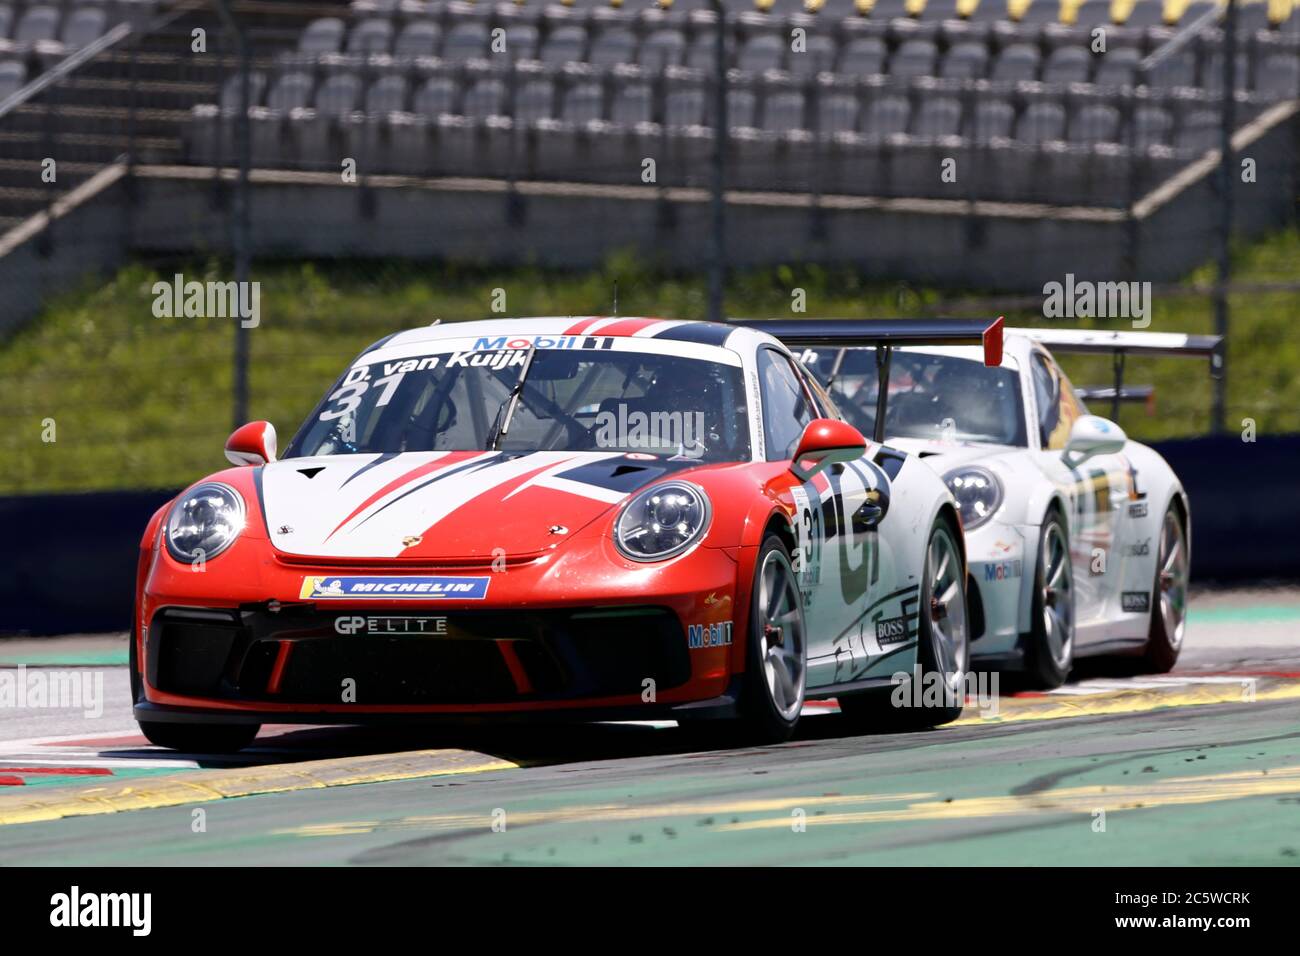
{"x":662,"y":521}
{"x":978,"y":492}
{"x":204,"y":522}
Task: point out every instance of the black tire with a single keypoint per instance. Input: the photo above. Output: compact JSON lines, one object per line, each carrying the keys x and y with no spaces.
{"x":877,"y":710}
{"x":200,"y":738}
{"x":1049,"y":651}
{"x":1163,"y":647}
{"x":763,"y":718}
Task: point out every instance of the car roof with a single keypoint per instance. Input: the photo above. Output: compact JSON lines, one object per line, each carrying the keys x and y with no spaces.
{"x":704,"y":333}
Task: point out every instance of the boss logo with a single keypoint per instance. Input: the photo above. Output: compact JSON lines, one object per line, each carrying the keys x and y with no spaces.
{"x":1135,"y":601}
{"x":891,"y":630}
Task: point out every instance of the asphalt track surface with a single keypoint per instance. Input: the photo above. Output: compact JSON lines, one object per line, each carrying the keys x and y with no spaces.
{"x":1198,"y":767}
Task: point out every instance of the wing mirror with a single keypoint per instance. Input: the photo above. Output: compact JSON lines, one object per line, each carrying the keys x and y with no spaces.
{"x":252,"y":444}
{"x":826,"y":441}
{"x":1092,"y":435}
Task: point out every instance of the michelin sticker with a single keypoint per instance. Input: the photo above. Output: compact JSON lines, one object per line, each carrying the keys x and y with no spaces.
{"x":407,"y":587}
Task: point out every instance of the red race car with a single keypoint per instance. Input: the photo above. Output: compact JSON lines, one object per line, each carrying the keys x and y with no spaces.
{"x":604,"y":518}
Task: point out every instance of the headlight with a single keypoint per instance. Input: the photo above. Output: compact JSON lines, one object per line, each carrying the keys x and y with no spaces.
{"x":204,"y":522}
{"x":978,"y":493}
{"x":662,"y":521}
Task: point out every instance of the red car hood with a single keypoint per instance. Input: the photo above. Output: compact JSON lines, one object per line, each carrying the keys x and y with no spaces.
{"x":444,"y":505}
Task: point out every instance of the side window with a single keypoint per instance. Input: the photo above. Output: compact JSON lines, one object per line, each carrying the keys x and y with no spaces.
{"x":1058,"y":407}
{"x":1045,"y":399}
{"x":785,"y":407}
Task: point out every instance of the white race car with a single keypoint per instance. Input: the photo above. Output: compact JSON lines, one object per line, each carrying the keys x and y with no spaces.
{"x":1078,"y":538}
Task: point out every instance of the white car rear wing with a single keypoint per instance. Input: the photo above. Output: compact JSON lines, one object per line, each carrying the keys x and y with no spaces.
{"x":1120,"y":345}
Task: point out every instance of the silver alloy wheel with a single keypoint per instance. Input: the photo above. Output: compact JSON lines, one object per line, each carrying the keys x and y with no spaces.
{"x":781,"y":638}
{"x":948,"y":632}
{"x":1171,"y":578}
{"x":1058,"y":597}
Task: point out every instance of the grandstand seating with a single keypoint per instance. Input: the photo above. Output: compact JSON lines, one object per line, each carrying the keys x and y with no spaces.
{"x":862,"y":103}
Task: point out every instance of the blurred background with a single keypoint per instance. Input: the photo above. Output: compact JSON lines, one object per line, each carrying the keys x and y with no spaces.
{"x":378,"y":164}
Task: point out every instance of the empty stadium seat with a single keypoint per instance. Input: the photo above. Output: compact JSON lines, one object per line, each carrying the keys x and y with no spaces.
{"x":763,"y":52}
{"x":521,"y":41}
{"x":1019,"y":61}
{"x":436,"y":97}
{"x":1199,"y":131}
{"x":837,"y":113}
{"x":863,"y":56}
{"x":965,"y":60}
{"x":274,"y":140}
{"x":83,"y":26}
{"x":818,"y":56}
{"x":230,"y":91}
{"x":938,"y":116}
{"x":487,"y":97}
{"x":584,"y":103}
{"x":37,"y":24}
{"x":1151,"y":127}
{"x":994,"y":119}
{"x":371,"y":36}
{"x":1117,"y":67}
{"x":613,"y":46}
{"x":466,"y":41}
{"x":1176,"y":70}
{"x":662,"y":48}
{"x":534,"y":101}
{"x":914,"y":58}
{"x":1098,"y":123}
{"x":565,"y":45}
{"x":886,"y":115}
{"x":1212,"y":72}
{"x":1041,"y":122}
{"x":684,"y":107}
{"x":1279,"y":73}
{"x":418,"y":38}
{"x":699,"y":56}
{"x":387,"y":94}
{"x":321,"y":37}
{"x":13,"y":75}
{"x":1068,"y":64}
{"x":6,"y":20}
{"x":783,"y":112}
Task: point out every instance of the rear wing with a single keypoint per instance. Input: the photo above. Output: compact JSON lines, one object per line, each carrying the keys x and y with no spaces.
{"x":1120,"y":345}
{"x":883,"y":335}
{"x":1127,"y":394}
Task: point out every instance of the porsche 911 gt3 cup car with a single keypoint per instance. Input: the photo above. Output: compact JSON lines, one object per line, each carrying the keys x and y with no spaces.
{"x":1079,"y":539}
{"x":595,"y":517}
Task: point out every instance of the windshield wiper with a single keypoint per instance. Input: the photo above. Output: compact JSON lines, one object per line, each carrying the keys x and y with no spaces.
{"x":501,"y":423}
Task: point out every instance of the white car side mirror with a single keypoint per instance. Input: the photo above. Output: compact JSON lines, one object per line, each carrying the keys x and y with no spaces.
{"x":1092,"y":435}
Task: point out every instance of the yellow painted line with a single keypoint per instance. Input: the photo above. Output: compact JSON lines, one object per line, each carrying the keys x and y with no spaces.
{"x":43,"y":804}
{"x":1015,"y":709}
{"x":1179,"y":791}
{"x":604,"y":813}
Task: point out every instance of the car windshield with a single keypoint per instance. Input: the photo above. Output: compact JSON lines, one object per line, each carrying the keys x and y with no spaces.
{"x":612,"y":399}
{"x":932,"y":396}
